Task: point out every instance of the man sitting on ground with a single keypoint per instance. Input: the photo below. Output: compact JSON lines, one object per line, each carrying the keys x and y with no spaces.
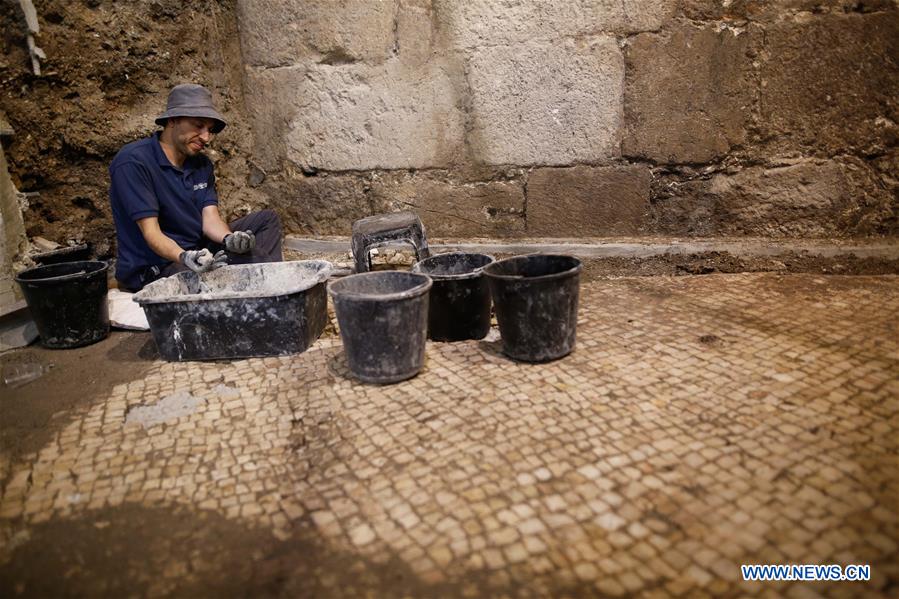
{"x":165,"y":206}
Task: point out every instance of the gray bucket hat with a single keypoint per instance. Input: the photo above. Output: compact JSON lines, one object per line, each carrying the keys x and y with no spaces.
{"x":190,"y":99}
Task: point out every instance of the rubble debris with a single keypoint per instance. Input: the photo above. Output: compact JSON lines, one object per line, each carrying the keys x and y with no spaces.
{"x":44,"y":245}
{"x":17,"y":329}
{"x":257,"y":176}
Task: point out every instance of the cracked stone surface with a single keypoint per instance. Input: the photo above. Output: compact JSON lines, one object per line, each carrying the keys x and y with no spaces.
{"x":701,"y":423}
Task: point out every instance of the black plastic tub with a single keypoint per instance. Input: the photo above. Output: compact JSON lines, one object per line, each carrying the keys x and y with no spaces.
{"x":536,"y":300}
{"x":67,"y":302}
{"x":383,"y":319}
{"x":240,"y":311}
{"x":460,"y":298}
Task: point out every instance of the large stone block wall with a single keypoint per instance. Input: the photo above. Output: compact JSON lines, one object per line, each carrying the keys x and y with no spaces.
{"x":577,"y":118}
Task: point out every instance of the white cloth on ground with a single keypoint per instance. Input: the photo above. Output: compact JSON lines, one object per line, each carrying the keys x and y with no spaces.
{"x":125,"y":313}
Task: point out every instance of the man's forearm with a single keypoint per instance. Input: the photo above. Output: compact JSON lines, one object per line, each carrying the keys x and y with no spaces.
{"x":214,"y":228}
{"x":165,"y":247}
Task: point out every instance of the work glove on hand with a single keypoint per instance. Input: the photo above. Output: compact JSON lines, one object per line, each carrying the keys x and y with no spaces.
{"x":203,"y":260}
{"x":239,"y":242}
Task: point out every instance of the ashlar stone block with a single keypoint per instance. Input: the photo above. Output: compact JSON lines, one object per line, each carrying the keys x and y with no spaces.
{"x":359,"y":117}
{"x":639,"y":15}
{"x":830,"y":84}
{"x":546,"y":104}
{"x":356,"y":117}
{"x":689,"y":93}
{"x":272,"y":98}
{"x":323,"y":204}
{"x":478,"y":23}
{"x":588,"y":201}
{"x":454,"y":208}
{"x":762,"y":10}
{"x":416,"y":38}
{"x":808,"y":198}
{"x":782,"y":201}
{"x":277,"y":33}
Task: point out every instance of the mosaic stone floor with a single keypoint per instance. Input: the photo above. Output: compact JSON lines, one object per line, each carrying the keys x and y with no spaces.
{"x":701,"y":423}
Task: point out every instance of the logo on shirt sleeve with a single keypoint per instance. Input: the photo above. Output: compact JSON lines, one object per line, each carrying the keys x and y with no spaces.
{"x":199,"y":186}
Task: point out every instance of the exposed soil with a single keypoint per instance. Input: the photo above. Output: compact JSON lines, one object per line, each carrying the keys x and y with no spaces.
{"x":34,"y":412}
{"x":176,"y":551}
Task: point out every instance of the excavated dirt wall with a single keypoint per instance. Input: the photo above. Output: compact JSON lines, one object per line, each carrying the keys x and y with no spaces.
{"x":108,"y":70}
{"x":550,"y":118}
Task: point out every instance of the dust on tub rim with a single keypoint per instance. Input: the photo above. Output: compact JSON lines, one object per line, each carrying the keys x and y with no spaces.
{"x":476,"y":272}
{"x":420,"y":288}
{"x":317,"y":271}
{"x":573,"y":270}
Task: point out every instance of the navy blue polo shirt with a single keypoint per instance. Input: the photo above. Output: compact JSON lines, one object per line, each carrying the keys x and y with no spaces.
{"x":144,"y":183}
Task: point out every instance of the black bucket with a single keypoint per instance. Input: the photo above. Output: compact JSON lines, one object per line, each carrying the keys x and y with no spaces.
{"x":383,"y":319}
{"x":536,"y":300}
{"x":67,"y":302}
{"x":460,"y":298}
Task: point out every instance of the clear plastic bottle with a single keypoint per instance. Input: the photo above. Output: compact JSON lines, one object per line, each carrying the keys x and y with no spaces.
{"x":16,"y":375}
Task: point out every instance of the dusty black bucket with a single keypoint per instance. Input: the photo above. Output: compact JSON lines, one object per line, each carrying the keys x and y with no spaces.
{"x":536,"y":299}
{"x":383,"y":319}
{"x":459,"y":304}
{"x":67,"y":302}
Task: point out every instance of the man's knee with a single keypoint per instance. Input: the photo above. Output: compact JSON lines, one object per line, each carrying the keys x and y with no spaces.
{"x":270,"y":218}
{"x":263,"y":221}
{"x":266,"y":220}
{"x":268,"y":235}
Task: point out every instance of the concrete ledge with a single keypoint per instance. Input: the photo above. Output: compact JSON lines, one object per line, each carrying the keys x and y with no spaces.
{"x":635,"y":248}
